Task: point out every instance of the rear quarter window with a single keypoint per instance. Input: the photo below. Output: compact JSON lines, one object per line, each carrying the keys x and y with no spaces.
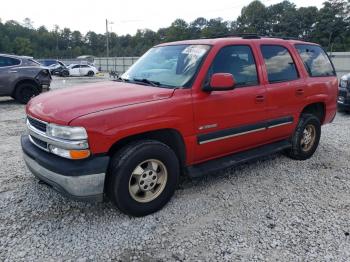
{"x":315,"y":60}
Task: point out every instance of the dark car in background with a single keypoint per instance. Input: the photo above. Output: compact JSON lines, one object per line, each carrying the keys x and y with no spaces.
{"x":22,"y":77}
{"x":56,"y":67}
{"x":344,"y":93}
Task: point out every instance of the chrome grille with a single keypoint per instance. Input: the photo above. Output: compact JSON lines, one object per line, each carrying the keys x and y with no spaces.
{"x":37,"y":135}
{"x":40,"y":125}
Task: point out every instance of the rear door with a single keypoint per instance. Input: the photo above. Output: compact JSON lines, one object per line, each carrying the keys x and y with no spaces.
{"x":230,"y":121}
{"x":285,"y":90}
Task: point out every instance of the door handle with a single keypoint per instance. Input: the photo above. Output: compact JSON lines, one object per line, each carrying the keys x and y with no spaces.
{"x":299,"y":92}
{"x":260,"y":98}
{"x":12,"y":71}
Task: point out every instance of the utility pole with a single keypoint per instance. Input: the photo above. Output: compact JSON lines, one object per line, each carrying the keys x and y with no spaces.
{"x":107,"y":42}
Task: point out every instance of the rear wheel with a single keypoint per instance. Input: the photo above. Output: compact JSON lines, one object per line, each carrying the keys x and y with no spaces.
{"x":142,"y":177}
{"x":306,"y":138}
{"x":24,"y":92}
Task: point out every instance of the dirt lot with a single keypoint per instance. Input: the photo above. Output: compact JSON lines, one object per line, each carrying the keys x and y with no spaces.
{"x":275,"y":209}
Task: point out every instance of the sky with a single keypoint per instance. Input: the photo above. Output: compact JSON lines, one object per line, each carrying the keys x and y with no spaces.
{"x":126,"y":16}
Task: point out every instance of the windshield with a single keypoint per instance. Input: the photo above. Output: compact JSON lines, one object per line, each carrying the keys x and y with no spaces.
{"x":169,"y":66}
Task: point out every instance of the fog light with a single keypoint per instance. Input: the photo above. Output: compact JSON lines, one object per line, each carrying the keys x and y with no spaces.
{"x":70,"y":154}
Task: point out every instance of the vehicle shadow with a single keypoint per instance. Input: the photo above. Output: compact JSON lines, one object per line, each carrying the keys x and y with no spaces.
{"x":8,"y":101}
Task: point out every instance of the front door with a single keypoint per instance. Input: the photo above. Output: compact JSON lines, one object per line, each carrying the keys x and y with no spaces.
{"x":75,"y":71}
{"x":230,"y":121}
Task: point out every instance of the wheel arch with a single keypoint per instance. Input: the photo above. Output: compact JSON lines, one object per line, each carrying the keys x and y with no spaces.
{"x":170,"y":137}
{"x":317,"y":109}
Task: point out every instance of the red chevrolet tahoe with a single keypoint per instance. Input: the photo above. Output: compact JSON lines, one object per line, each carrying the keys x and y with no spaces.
{"x":189,"y":107}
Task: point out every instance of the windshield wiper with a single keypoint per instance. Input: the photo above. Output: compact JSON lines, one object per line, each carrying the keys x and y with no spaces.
{"x":147,"y":81}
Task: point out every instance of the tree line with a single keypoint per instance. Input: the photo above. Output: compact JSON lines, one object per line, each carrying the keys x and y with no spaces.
{"x":329,"y":26}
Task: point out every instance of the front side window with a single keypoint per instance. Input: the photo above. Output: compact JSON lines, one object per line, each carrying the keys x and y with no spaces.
{"x":315,"y":60}
{"x":279,"y":63}
{"x":169,"y":66}
{"x":238,"y":61}
{"x":8,"y":61}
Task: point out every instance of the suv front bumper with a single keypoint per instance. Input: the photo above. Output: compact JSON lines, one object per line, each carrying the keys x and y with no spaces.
{"x":76,"y":179}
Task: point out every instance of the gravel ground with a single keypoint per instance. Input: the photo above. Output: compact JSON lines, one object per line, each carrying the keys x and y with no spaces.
{"x":275,"y":209}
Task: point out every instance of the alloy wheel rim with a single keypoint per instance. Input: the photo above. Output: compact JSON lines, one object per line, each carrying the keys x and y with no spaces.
{"x":309,"y":138}
{"x":148,"y":180}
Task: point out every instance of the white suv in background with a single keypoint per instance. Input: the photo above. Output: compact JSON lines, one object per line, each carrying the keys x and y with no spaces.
{"x":82,"y":70}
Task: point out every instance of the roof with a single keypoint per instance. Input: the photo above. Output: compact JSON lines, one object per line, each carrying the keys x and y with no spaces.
{"x":17,"y":56}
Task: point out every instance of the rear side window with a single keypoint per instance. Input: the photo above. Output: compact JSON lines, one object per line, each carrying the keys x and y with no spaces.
{"x":315,"y":60}
{"x":8,"y":61}
{"x":279,"y":63}
{"x":238,"y":61}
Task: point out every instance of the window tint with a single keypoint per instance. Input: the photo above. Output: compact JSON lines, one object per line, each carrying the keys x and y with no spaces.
{"x":238,"y":61}
{"x":315,"y":60}
{"x":8,"y":61}
{"x":279,"y":64}
{"x":76,"y":66}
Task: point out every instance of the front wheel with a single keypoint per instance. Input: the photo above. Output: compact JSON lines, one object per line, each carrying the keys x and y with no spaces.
{"x":24,"y":92}
{"x":142,"y":177}
{"x":91,"y":73}
{"x":65,"y":73}
{"x":305,"y":138}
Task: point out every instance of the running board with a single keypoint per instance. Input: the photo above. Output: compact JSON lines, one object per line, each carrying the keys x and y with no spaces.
{"x":236,"y":159}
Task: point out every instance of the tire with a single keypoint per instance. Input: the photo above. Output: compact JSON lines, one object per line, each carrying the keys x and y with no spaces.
{"x":65,"y":73}
{"x":91,"y":73}
{"x":24,"y":92}
{"x":308,"y":128}
{"x":133,"y":168}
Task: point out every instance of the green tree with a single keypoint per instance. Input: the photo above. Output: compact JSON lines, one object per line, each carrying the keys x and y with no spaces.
{"x":253,"y":18}
{"x":332,"y":24}
{"x":22,"y":46}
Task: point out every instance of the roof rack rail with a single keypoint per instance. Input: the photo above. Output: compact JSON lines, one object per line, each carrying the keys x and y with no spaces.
{"x":243,"y":35}
{"x":254,"y":36}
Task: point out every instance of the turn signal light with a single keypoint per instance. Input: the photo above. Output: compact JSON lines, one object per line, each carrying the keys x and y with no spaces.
{"x":79,"y":154}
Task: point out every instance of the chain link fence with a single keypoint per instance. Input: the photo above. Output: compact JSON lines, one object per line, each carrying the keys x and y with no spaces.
{"x":116,"y":64}
{"x":341,"y":61}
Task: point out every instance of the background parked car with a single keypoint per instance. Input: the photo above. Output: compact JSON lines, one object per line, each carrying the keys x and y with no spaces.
{"x":344,"y":93}
{"x":56,"y":67}
{"x":22,"y":77}
{"x":82,"y":70}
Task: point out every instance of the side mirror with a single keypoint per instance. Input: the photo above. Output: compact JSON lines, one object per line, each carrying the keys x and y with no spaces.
{"x":221,"y":82}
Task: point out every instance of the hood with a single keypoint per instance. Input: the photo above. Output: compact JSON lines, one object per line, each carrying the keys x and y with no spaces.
{"x":63,"y":105}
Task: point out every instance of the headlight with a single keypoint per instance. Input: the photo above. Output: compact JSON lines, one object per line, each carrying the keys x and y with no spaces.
{"x":343,"y":83}
{"x":66,"y":132}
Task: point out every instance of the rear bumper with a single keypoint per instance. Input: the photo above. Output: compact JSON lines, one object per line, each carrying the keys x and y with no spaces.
{"x":79,"y":180}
